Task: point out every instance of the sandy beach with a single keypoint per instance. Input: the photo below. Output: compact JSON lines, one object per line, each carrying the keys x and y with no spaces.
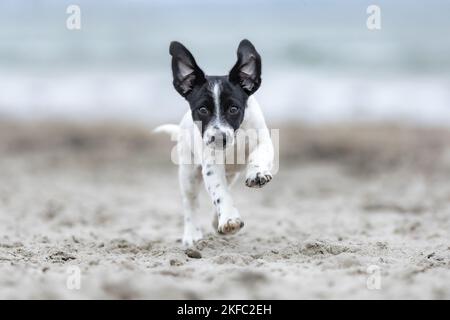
{"x":104,"y":198}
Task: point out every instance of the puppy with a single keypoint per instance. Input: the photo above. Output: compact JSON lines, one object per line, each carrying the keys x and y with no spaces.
{"x":220,"y":108}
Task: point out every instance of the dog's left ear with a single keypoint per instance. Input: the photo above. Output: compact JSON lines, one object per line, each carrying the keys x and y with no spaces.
{"x":247,"y":70}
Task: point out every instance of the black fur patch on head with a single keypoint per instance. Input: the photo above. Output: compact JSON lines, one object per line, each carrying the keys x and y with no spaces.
{"x":234,"y":89}
{"x":232,"y":100}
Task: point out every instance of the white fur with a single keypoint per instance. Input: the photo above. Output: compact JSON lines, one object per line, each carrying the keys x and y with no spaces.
{"x":171,"y":129}
{"x":217,"y":126}
{"x":216,"y":94}
{"x":218,"y":177}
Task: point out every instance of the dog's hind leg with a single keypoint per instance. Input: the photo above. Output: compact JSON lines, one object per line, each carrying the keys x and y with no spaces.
{"x":190,"y":181}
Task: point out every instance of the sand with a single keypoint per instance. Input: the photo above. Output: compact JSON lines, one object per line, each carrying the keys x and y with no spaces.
{"x":354,"y":212}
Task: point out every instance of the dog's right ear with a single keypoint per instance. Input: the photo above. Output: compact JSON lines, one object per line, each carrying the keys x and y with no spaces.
{"x":186,"y":73}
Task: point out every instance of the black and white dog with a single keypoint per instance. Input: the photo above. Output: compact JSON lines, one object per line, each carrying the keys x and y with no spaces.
{"x":220,"y":107}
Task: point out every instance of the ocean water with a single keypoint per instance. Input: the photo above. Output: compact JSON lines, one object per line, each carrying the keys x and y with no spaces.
{"x":320,"y":62}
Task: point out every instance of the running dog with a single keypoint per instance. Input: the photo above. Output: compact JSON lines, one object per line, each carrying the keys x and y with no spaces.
{"x":220,"y":107}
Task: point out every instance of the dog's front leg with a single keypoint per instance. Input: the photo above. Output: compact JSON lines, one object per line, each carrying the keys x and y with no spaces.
{"x":260,"y":161}
{"x":214,"y":176}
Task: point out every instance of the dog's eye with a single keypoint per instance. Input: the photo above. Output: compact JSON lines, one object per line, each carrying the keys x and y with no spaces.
{"x":233,"y":110}
{"x":203,"y":111}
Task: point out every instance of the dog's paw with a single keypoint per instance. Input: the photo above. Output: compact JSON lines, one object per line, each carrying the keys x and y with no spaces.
{"x":191,"y":236}
{"x":230,"y":226}
{"x":258,"y":179}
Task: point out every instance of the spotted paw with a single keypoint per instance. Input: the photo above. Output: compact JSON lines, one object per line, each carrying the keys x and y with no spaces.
{"x":258,"y":179}
{"x":230,"y":226}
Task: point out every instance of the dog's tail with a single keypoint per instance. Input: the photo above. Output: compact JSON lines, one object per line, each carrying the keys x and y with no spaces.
{"x":172,"y":129}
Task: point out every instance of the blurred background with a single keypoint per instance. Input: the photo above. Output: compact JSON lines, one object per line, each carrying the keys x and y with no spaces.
{"x":320,"y":62}
{"x":364,"y":148}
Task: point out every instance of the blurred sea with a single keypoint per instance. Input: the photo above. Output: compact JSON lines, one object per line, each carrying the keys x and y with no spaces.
{"x":320,"y":62}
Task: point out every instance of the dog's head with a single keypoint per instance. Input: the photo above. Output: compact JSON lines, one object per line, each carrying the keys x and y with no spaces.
{"x":217,"y":103}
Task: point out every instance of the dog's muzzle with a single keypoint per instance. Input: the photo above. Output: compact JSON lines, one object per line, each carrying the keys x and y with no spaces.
{"x":219,"y":139}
